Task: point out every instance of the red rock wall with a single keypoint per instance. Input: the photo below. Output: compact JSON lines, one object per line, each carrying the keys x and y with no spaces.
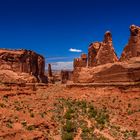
{"x":92,"y":53}
{"x":80,"y":62}
{"x":66,"y":76}
{"x":102,"y":52}
{"x":103,"y":64}
{"x":132,"y":49}
{"x":118,"y":72}
{"x":23,"y":61}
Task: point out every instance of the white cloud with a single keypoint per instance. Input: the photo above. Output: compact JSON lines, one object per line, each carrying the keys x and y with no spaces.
{"x":62,"y":65}
{"x":74,"y":50}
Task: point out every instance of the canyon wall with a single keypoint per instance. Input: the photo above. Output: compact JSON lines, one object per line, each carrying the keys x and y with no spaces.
{"x":21,"y":65}
{"x":104,"y":65}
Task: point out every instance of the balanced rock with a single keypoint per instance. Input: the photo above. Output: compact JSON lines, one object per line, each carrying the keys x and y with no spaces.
{"x":132,"y":49}
{"x":22,"y":65}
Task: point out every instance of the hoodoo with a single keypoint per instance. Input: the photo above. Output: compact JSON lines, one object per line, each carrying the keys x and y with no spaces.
{"x":132,"y":49}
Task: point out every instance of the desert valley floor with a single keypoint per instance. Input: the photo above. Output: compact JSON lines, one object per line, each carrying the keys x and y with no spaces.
{"x":57,"y":112}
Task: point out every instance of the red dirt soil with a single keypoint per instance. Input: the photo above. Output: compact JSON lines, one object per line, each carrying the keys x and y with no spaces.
{"x":29,"y":116}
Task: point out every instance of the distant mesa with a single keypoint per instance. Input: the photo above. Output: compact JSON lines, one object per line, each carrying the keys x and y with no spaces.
{"x":19,"y":66}
{"x":103,"y":65}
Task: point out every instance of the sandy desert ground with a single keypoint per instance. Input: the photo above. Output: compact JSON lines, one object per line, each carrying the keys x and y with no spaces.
{"x":57,"y":112}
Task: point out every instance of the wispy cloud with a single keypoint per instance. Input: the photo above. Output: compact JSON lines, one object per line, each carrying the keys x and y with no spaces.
{"x":58,"y":58}
{"x":62,"y":65}
{"x":74,"y":50}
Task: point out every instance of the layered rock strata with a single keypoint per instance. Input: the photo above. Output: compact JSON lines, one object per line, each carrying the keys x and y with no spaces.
{"x":104,"y":66}
{"x":102,"y":52}
{"x":21,"y":66}
{"x":132,"y":49}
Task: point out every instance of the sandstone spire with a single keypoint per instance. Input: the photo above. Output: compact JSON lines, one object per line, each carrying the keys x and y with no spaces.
{"x":107,"y":37}
{"x":132,"y":49}
{"x":49,"y":70}
{"x":102,"y":52}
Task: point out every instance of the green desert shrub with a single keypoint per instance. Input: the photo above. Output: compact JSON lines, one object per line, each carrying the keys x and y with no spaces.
{"x":92,"y":111}
{"x":67,"y":136}
{"x":102,"y":118}
{"x":30,"y":127}
{"x":9,"y":125}
{"x":68,"y":114}
{"x":69,"y":126}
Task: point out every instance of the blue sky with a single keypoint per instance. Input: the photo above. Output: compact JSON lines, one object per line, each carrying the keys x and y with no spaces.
{"x":52,"y":27}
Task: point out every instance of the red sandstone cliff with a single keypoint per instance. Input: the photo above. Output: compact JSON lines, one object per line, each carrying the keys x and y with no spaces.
{"x":126,"y":71}
{"x":21,"y":65}
{"x":66,"y":76}
{"x":80,"y":62}
{"x":102,"y":52}
{"x":103,"y":65}
{"x":132,"y":49}
{"x":98,"y":53}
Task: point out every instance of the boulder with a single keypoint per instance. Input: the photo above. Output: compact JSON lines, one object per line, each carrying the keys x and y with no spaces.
{"x":8,"y":76}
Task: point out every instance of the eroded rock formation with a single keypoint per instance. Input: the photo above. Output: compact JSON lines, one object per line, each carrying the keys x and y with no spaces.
{"x":132,"y":49}
{"x":102,"y":52}
{"x":103,"y":65}
{"x":118,"y":72}
{"x":66,"y":76}
{"x":80,"y":62}
{"x":49,"y":70}
{"x":21,"y":66}
{"x":92,"y":53}
{"x":50,"y":75}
